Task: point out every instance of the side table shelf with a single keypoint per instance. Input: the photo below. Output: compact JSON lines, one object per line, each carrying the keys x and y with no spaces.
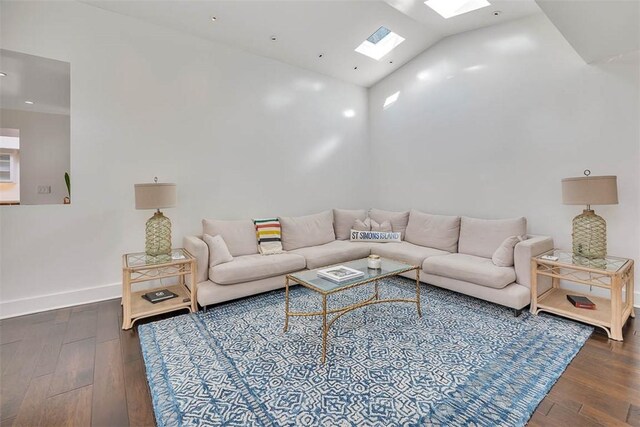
{"x":611,"y":273}
{"x":138,"y":267}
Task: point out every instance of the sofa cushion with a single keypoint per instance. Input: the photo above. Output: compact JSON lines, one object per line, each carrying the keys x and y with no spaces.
{"x":304,"y":231}
{"x":406,"y":252}
{"x":470,"y":268}
{"x":255,"y":267}
{"x":332,"y":253}
{"x":343,"y":221}
{"x":482,"y":237}
{"x":398,"y":220}
{"x":240,"y":236}
{"x":503,"y":256}
{"x":434,"y":231}
{"x":218,"y":251}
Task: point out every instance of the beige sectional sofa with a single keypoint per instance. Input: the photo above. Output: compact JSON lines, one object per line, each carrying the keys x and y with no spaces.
{"x":454,"y":253}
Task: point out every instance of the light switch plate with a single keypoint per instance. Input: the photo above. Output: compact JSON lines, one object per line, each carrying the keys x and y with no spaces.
{"x":44,"y":189}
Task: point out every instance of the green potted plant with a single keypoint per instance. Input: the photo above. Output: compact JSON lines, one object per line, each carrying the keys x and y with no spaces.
{"x":67,"y":180}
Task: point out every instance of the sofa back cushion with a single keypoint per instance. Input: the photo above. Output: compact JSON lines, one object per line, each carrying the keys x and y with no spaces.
{"x":398,"y":220}
{"x":433,"y":231}
{"x":240,"y":236}
{"x":344,"y":219}
{"x":481,"y":237}
{"x":304,"y":231}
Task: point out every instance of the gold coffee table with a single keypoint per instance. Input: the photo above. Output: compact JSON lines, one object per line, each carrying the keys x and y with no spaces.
{"x":309,"y":279}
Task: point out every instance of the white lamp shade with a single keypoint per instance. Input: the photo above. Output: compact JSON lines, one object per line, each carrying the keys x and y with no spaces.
{"x":155,"y":196}
{"x":590,"y":190}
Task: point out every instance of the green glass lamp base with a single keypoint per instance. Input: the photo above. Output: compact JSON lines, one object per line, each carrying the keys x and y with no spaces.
{"x":589,"y":235}
{"x":158,"y":235}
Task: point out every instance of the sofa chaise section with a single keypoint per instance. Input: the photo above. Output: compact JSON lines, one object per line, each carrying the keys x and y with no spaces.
{"x":471,"y":271}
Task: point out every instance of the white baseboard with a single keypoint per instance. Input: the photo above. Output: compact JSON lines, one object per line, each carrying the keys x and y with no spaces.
{"x":22,"y":306}
{"x":29,"y":305}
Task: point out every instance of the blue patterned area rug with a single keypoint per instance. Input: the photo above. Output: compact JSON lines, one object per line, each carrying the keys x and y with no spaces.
{"x":465,"y":362}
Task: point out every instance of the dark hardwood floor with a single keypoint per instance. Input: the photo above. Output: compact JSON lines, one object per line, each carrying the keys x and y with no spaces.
{"x":75,"y":366}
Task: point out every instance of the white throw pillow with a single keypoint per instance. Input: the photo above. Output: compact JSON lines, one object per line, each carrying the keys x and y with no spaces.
{"x":218,"y":251}
{"x":503,"y":256}
{"x":362,"y":225}
{"x":383,"y":226}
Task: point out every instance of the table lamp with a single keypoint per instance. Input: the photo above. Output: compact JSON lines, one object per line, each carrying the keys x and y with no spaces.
{"x":158,"y":232}
{"x":590,"y":230}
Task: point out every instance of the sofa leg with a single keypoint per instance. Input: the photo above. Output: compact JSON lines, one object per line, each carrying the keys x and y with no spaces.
{"x":204,"y":308}
{"x":517,"y":312}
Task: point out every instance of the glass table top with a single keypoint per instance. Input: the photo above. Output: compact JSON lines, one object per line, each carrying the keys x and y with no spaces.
{"x":388,"y":267}
{"x":608,"y":263}
{"x":141,"y":259}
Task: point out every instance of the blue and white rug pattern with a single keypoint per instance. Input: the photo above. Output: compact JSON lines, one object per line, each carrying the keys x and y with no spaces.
{"x":465,"y":362}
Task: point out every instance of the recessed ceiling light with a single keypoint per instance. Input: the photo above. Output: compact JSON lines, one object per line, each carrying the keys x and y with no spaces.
{"x":381,"y":42}
{"x":355,"y":68}
{"x":496,"y":13}
{"x":273,"y":38}
{"x":28,"y":102}
{"x":213,"y":19}
{"x":321,"y":55}
{"x":3,"y":74}
{"x":451,"y":8}
{"x":349,"y":113}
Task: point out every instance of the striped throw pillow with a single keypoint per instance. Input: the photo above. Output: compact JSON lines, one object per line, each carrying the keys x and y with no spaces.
{"x":269,"y":235}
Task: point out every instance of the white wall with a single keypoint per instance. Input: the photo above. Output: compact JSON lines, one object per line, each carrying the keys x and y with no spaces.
{"x":241,"y":135}
{"x":44,"y":153}
{"x":488,"y":122}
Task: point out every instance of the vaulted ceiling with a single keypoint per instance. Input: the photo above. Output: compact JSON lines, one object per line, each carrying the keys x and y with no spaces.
{"x":318,"y":35}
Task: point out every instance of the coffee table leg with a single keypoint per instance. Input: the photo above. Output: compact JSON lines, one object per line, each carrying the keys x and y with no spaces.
{"x":324,"y":328}
{"x":286,"y":304}
{"x":418,"y":292}
{"x":376,"y":289}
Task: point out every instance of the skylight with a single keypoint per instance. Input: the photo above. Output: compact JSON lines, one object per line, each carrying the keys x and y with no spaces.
{"x":451,"y":8}
{"x":379,"y":43}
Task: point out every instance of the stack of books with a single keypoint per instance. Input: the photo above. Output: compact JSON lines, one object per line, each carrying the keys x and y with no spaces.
{"x":340,"y":274}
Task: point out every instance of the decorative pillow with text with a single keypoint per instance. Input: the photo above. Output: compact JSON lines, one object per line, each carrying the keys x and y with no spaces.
{"x":375,"y":236}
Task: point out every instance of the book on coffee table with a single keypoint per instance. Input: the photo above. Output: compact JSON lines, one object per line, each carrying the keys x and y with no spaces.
{"x":581,"y":302}
{"x":340,"y":274}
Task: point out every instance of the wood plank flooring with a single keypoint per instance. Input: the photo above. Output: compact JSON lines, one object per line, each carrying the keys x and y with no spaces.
{"x":75,"y":366}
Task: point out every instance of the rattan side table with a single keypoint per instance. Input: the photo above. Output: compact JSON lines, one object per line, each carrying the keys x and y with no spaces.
{"x":140,"y":267}
{"x":611,"y":273}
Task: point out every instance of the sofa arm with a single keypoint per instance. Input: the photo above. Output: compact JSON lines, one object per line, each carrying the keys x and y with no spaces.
{"x":533,"y":246}
{"x":199,"y":249}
